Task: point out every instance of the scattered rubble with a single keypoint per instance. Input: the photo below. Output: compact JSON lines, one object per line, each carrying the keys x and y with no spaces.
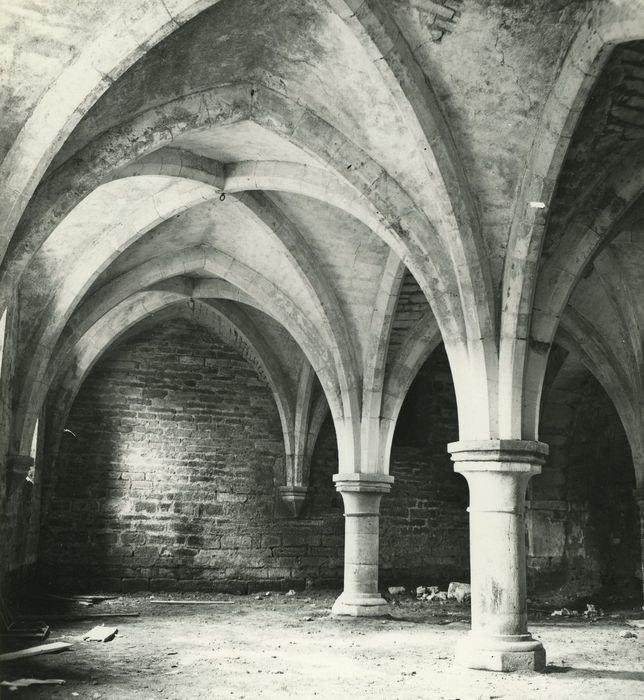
{"x":592,"y":611}
{"x":564,"y":612}
{"x":628,"y":635}
{"x":192,"y":601}
{"x":459,"y":591}
{"x":396,"y":590}
{"x":290,"y":593}
{"x":635,"y":623}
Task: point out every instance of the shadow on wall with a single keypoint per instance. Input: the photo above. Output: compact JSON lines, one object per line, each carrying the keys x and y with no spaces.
{"x":583,"y":524}
{"x":425,"y":526}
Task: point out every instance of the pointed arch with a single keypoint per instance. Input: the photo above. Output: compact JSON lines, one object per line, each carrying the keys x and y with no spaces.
{"x":228,"y":323}
{"x":214,"y":262}
{"x":69,"y":98}
{"x":605,"y":25}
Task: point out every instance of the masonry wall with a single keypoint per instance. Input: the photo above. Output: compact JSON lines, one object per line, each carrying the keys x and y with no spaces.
{"x":167,"y":481}
{"x":169,"y":478}
{"x":425,"y":527}
{"x":583,"y":533}
{"x":17,"y":494}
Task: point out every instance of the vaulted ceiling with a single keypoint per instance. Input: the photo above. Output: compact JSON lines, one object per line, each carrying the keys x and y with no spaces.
{"x":345,"y":183}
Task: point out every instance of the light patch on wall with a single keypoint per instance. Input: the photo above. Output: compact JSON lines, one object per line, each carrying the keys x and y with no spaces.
{"x":537,"y":205}
{"x":31,"y":474}
{"x":3,"y":328}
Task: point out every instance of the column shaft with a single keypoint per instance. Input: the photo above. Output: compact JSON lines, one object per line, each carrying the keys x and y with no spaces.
{"x":497,"y":472}
{"x":361,"y":494}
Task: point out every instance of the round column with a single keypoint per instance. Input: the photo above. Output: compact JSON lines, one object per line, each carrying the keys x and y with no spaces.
{"x":361,"y":494}
{"x":497,"y":473}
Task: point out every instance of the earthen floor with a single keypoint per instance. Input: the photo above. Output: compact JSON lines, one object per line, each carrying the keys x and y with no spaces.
{"x":289,"y":647}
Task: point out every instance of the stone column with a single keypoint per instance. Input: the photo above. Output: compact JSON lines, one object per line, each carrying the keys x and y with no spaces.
{"x":497,"y":472}
{"x":361,"y":494}
{"x":639,"y":499}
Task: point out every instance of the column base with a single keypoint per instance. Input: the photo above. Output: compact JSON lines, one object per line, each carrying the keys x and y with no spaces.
{"x":521,"y":653}
{"x":361,"y":605}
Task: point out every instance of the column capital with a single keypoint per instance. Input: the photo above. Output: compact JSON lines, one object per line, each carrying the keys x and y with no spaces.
{"x":293,"y":498}
{"x":361,"y":482}
{"x":516,"y":452}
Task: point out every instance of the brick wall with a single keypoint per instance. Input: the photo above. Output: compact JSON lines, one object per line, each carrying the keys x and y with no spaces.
{"x":424,"y":530}
{"x":603,"y":534}
{"x":170,"y":480}
{"x":17,"y":495}
{"x":170,"y":483}
{"x":585,"y":531}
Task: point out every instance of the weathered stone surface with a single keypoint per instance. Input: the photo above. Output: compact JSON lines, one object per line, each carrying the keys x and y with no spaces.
{"x":374,"y":177}
{"x":169,"y":482}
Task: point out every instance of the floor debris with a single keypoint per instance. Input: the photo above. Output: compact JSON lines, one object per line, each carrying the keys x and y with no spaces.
{"x":82,"y":599}
{"x":77,"y":617}
{"x":15,"y":628}
{"x":459,"y":591}
{"x":433,"y":594}
{"x":101,"y":634}
{"x":195,"y":602}
{"x":592,"y":611}
{"x":396,"y":590}
{"x":26,"y":682}
{"x":635,"y":623}
{"x":50,"y":648}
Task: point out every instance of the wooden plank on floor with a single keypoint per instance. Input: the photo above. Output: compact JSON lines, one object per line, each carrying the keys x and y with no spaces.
{"x":63,"y":617}
{"x":35,"y":651}
{"x":82,"y":598}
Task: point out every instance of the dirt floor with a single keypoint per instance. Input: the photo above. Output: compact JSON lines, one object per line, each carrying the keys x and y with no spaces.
{"x":281,"y":646}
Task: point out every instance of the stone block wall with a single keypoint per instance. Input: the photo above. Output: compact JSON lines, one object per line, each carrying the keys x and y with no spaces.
{"x":168,"y":478}
{"x":19,"y":498}
{"x":167,"y":481}
{"x":602,"y":530}
{"x":583,"y":523}
{"x":425,"y":527}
